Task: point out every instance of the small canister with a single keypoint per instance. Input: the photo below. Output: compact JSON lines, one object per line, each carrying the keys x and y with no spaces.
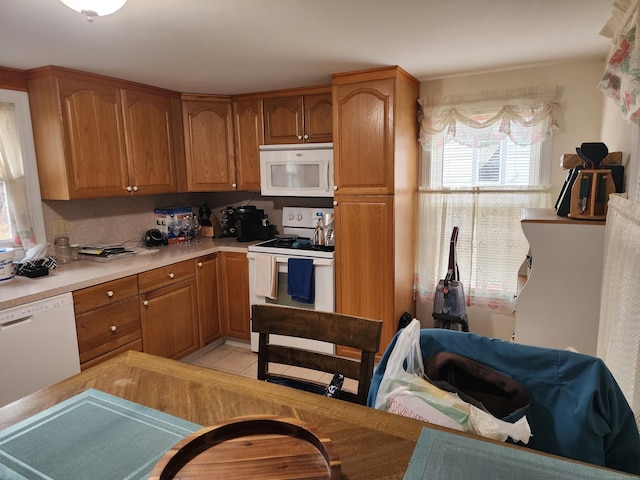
{"x":75,"y":252}
{"x":62,"y":248}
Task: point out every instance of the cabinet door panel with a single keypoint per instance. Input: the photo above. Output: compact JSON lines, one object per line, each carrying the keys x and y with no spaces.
{"x":149,"y":140}
{"x":169,"y":320}
{"x":363,"y":138}
{"x":318,"y":118}
{"x":208,"y":299}
{"x":365,"y":258}
{"x":208,"y":130}
{"x":249,"y":135}
{"x":97,"y":160}
{"x":283,"y":120}
{"x":235,"y":294}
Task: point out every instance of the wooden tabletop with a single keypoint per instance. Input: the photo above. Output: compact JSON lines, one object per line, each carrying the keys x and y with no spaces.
{"x":371,"y":444}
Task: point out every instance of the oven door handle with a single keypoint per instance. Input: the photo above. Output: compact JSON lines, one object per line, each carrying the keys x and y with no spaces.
{"x":279,"y":259}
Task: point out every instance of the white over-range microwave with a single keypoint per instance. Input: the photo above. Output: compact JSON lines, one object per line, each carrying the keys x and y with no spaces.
{"x":300,"y":170}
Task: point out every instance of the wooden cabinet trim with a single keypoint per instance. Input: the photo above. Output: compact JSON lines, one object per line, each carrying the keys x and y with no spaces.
{"x":63,"y":72}
{"x":13,"y":79}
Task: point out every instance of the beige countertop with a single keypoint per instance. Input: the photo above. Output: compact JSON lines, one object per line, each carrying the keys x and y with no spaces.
{"x":86,"y":273}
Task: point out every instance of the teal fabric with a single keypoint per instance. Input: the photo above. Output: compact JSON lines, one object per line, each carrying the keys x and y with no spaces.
{"x":577,"y":409}
{"x":93,"y":435}
{"x":447,"y":456}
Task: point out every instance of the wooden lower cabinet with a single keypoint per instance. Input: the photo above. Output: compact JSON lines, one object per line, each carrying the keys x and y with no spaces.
{"x":170,"y":311}
{"x":107,"y":320}
{"x":170,"y":320}
{"x":234,"y":294}
{"x":208,"y":298}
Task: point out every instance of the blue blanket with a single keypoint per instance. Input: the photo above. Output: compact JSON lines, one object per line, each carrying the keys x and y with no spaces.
{"x":300,"y":280}
{"x":577,"y":409}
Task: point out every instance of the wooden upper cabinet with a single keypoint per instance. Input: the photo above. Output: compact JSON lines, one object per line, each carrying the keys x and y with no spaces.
{"x":249,"y":135}
{"x":149,"y":140}
{"x":100,"y":137}
{"x":318,"y":118}
{"x":298,"y":119}
{"x":363,"y":142}
{"x":209,"y":148}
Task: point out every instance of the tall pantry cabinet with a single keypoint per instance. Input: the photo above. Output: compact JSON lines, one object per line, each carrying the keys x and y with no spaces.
{"x":375,"y":168}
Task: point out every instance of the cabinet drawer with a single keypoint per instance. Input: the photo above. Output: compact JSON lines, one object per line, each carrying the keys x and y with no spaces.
{"x":163,"y":276}
{"x":104,"y":294}
{"x":135,"y":346}
{"x":107,"y":328}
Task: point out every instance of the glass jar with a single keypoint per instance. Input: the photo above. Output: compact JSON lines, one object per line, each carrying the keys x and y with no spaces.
{"x":62,"y":248}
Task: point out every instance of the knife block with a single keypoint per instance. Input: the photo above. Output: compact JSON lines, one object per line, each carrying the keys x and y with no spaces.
{"x":595,"y":186}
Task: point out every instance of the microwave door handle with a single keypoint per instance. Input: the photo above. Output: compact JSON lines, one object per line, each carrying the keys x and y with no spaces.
{"x":328,"y":177}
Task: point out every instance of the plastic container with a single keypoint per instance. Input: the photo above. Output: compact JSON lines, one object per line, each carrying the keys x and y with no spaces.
{"x":6,"y":265}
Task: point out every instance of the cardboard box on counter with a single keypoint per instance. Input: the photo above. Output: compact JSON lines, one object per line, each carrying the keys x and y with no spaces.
{"x":168,"y":221}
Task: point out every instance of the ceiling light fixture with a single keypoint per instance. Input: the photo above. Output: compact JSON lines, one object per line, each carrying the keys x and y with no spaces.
{"x":94,"y":8}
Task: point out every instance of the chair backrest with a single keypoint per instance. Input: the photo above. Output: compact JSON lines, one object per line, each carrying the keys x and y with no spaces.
{"x":355,"y":332}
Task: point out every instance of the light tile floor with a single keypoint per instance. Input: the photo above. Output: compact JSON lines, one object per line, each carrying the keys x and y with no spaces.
{"x":241,"y":360}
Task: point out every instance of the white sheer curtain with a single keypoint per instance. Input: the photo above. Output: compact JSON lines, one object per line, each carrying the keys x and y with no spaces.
{"x":491,"y":245}
{"x":13,"y":176}
{"x":619,"y":332}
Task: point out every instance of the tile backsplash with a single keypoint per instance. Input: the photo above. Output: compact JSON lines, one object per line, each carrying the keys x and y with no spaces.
{"x":124,"y":220}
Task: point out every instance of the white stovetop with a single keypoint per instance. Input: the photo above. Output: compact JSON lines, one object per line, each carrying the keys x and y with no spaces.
{"x":86,"y":273}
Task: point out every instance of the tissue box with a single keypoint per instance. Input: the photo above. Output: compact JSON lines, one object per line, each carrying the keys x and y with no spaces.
{"x":168,"y":221}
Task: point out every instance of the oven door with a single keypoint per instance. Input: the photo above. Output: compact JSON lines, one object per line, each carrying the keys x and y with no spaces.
{"x":324,"y":298}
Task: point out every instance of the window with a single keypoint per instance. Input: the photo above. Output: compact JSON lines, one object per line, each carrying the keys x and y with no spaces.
{"x":21,"y":219}
{"x":478,"y":175}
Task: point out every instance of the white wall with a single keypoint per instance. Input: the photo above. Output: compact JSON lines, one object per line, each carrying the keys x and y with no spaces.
{"x":581,"y":120}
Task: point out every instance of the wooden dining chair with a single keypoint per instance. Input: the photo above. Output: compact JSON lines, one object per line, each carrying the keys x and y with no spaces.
{"x":355,"y":332}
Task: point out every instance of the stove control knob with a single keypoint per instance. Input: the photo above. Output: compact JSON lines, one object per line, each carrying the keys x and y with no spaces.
{"x":291,"y":216}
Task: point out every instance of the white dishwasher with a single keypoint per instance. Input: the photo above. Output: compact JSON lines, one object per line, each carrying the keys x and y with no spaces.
{"x":38,"y":346}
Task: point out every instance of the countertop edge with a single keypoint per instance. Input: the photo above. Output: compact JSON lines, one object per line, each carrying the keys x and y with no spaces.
{"x":87,"y":273}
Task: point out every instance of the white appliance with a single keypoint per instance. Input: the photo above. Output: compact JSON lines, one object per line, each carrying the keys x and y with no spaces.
{"x":38,"y":346}
{"x":298,"y":227}
{"x":300,"y":170}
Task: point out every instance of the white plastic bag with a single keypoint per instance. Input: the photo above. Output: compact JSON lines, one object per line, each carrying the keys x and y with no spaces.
{"x":406,"y":392}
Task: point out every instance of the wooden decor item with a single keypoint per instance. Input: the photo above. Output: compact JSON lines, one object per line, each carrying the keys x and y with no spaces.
{"x":573,"y":160}
{"x":254,"y":446}
{"x":590,"y":194}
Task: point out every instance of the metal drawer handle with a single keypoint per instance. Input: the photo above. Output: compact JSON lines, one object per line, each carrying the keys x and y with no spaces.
{"x":145,"y":303}
{"x":171,"y":275}
{"x":110,"y":293}
{"x":113,"y":328}
{"x":200,"y":264}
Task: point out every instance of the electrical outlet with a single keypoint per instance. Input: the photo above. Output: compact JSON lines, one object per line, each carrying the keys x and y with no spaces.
{"x":60,"y":227}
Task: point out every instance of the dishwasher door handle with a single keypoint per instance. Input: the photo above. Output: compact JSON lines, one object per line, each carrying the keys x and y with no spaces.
{"x":16,"y":323}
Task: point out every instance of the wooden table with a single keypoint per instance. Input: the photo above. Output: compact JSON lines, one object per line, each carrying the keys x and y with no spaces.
{"x":371,"y":444}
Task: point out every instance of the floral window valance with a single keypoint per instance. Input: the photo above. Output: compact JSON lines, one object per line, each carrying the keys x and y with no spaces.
{"x":496,"y":114}
{"x":621,"y":79}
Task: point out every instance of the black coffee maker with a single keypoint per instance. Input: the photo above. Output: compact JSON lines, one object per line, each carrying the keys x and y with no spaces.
{"x":252,"y":224}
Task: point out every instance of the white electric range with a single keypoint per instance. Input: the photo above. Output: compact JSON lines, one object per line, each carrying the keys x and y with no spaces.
{"x":298,"y":225}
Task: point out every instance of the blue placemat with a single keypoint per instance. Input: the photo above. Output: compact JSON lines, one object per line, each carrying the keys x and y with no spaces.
{"x":446,"y":456}
{"x":93,"y":435}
